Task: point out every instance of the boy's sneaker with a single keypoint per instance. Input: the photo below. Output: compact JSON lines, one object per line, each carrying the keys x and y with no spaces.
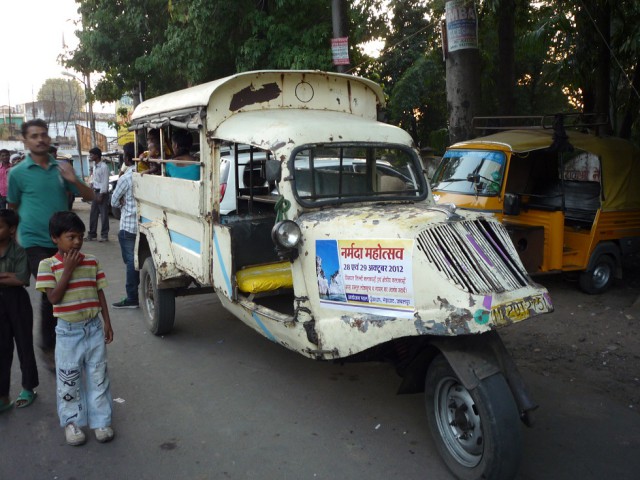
{"x":104,"y":434}
{"x":74,"y":435}
{"x":125,"y":303}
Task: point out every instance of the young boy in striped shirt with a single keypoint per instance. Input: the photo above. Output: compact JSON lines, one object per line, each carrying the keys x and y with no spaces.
{"x":74,"y":284}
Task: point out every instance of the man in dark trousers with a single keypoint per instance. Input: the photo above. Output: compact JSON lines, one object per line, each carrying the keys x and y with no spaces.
{"x":38,"y":188}
{"x":100,"y":205}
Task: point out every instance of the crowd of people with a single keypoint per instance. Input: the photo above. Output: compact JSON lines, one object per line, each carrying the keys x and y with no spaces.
{"x":41,"y":238}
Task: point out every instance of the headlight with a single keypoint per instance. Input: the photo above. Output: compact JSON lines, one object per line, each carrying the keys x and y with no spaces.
{"x":286,"y":234}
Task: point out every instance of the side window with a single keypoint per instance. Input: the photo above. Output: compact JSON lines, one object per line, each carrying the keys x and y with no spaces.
{"x":244,"y":186}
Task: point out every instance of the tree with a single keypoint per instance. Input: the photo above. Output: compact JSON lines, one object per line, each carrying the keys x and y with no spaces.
{"x":115,"y":38}
{"x":69,"y":92}
{"x":288,"y":34}
{"x":62,"y":98}
{"x":412,"y":70}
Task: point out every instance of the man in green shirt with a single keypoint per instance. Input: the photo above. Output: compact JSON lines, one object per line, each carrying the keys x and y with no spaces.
{"x":38,"y":188}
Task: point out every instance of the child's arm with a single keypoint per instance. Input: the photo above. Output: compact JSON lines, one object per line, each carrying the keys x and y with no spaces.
{"x":19,"y":277}
{"x":70,"y":261}
{"x":108,"y":331}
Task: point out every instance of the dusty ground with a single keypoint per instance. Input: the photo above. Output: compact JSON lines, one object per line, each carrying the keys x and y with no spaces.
{"x":593,"y":340}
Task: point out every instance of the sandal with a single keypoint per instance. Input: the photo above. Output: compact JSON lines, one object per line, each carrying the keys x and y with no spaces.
{"x":25,"y":398}
{"x":4,"y":406}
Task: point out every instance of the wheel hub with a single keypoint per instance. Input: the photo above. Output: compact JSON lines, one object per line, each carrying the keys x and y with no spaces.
{"x":459,"y":422}
{"x":601,"y":276}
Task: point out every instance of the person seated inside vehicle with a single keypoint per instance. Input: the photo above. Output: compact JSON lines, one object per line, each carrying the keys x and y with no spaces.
{"x":147,"y":161}
{"x":181,"y":142}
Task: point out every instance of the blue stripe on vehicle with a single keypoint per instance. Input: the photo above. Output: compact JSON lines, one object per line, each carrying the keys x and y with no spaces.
{"x":266,"y":331}
{"x":221,"y":263}
{"x":184,"y":241}
{"x":145,"y":220}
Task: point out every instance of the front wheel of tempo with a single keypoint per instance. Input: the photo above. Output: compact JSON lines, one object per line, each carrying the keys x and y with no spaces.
{"x":158,"y":305}
{"x":600,"y":277}
{"x":477,"y":432}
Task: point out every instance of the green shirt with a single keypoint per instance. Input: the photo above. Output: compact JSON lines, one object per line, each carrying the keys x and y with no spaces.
{"x":39,"y":193}
{"x":15,"y":261}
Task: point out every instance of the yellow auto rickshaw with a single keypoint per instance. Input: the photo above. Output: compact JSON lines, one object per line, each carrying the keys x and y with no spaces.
{"x":570,"y":200}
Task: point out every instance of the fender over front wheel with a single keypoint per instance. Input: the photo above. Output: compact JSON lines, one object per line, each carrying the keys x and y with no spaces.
{"x":477,"y":432}
{"x":158,"y":305}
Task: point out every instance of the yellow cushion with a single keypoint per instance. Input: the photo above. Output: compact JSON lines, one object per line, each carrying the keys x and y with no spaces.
{"x":265,"y":278}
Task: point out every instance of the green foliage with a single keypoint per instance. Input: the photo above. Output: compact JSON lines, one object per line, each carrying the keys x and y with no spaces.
{"x":68,"y":93}
{"x":412,"y":70}
{"x":164,"y":45}
{"x":290,"y":34}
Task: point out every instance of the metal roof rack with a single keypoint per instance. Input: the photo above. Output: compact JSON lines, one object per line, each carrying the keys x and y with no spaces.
{"x":513,"y":122}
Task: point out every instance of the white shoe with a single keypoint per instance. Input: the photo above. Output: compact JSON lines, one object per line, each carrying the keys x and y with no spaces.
{"x":104,"y":434}
{"x":74,"y":435}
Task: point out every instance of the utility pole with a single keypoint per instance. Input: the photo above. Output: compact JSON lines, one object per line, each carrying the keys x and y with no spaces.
{"x":92,"y":119}
{"x":340,"y":29}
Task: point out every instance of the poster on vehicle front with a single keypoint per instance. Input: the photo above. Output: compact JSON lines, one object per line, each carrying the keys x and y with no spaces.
{"x":366,"y":275}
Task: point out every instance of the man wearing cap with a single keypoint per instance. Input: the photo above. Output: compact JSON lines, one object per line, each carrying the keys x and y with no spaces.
{"x":15,"y":158}
{"x":100,"y":205}
{"x":4,"y":176}
{"x":38,"y":188}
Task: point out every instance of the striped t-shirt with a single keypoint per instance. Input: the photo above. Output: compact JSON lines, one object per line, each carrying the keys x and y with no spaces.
{"x":80,"y":301}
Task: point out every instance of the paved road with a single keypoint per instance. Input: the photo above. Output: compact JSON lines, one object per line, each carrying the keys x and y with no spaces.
{"x":214,"y":400}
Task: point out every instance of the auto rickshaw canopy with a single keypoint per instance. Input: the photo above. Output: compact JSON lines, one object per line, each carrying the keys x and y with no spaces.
{"x":619,"y":159}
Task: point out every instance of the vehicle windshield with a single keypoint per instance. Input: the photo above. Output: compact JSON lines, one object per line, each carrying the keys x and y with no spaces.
{"x":340,"y":174}
{"x":475,"y":172}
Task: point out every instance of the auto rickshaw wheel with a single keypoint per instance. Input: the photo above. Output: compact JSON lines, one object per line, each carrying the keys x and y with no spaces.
{"x":477,"y":432}
{"x":158,"y":305}
{"x":600,"y":277}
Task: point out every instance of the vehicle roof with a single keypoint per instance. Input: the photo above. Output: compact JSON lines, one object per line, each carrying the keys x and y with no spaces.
{"x":286,"y":128}
{"x":260,"y":90}
{"x":619,"y":158}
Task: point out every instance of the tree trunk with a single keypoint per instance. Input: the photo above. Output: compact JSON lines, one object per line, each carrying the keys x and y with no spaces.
{"x":463,"y":92}
{"x":463,"y":75}
{"x":505,"y":83}
{"x":603,"y":71}
{"x":632,"y":105}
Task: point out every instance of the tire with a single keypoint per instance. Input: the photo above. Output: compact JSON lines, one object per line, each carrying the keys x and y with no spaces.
{"x":477,"y":432}
{"x":158,"y":305}
{"x":600,"y":277}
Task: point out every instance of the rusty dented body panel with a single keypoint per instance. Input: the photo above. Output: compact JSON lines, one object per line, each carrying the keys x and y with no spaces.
{"x":409,"y":269}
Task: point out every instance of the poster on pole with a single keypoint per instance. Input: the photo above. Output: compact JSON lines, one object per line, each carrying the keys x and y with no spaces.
{"x":340,"y":50}
{"x":462,"y":25}
{"x":366,"y":275}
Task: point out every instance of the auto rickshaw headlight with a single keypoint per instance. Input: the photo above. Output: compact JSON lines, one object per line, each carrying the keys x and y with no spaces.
{"x":286,"y":234}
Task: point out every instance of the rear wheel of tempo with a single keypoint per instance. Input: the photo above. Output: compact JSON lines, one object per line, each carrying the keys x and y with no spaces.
{"x":158,"y":305}
{"x":600,"y":277}
{"x":477,"y":432}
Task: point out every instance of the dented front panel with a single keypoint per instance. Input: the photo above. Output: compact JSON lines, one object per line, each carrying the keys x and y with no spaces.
{"x":464,"y":277}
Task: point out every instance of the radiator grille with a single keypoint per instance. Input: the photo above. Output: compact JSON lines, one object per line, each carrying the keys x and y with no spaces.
{"x":476,"y":255}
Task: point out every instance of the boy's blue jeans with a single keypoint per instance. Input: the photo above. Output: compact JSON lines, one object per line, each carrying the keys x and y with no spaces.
{"x":82,"y":381}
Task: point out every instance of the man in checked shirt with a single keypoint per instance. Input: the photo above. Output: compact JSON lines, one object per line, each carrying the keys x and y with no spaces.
{"x":122,"y":197}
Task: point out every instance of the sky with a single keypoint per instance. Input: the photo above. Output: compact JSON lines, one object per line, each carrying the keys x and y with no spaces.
{"x":33,"y":31}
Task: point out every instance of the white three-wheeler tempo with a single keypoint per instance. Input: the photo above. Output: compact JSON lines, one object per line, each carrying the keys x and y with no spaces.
{"x":333,"y":247}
